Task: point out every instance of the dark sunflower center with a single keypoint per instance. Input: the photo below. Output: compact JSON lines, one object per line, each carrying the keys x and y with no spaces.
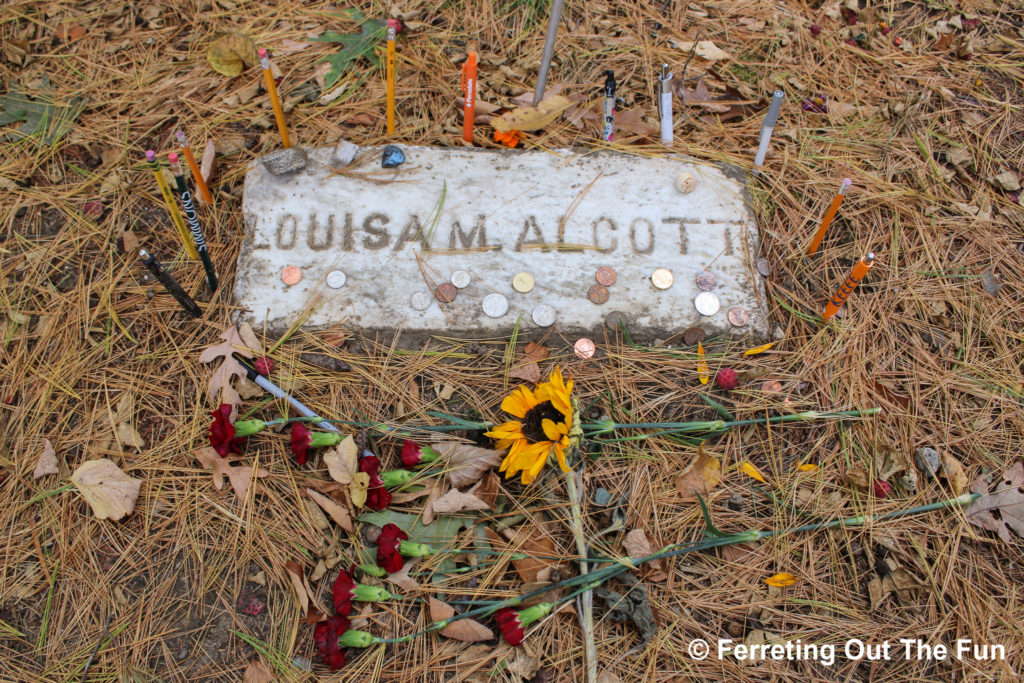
{"x":533,"y":421}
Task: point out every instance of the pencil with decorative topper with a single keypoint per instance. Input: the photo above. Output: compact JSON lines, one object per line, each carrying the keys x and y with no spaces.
{"x":165,"y":190}
{"x":193,"y":220}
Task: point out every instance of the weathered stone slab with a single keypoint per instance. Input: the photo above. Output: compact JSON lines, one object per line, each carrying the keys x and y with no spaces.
{"x":558,"y":216}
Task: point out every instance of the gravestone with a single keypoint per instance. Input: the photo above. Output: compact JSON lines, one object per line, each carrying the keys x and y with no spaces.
{"x":376,"y":249}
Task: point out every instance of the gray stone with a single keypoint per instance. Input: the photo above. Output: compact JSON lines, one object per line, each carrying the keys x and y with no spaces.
{"x":285,"y":161}
{"x":928,"y":462}
{"x":344,"y":153}
{"x":558,"y":216}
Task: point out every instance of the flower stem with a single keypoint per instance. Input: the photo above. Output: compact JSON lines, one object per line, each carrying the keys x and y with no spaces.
{"x":587,"y":598}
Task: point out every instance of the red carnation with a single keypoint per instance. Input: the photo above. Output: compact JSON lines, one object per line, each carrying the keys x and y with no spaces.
{"x":264,"y":365}
{"x":300,"y":442}
{"x":343,"y":593}
{"x":414,"y":454}
{"x":726,"y":379}
{"x":377,"y":497}
{"x":326,"y":635}
{"x":881,"y":488}
{"x":511,"y":627}
{"x":222,"y":432}
{"x":388,"y":542}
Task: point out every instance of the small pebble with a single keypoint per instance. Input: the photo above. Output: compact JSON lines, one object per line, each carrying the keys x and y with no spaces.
{"x":927,"y":461}
{"x":989,"y":283}
{"x":393,"y":156}
{"x":285,"y":161}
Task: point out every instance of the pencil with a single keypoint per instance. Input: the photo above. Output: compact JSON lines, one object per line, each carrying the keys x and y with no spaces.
{"x":469,"y":99}
{"x":197,"y":175}
{"x":275,"y":101}
{"x":851,"y":282}
{"x":392,"y":29}
{"x":829,"y":215}
{"x":170,"y":284}
{"x":176,"y":218}
{"x":193,"y":221}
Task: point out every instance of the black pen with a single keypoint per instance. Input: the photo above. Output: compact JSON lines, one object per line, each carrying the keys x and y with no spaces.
{"x":170,"y":284}
{"x":193,"y":220}
{"x":609,"y":106}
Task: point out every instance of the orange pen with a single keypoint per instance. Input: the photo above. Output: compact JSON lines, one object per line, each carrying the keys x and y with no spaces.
{"x":469,"y":102}
{"x":275,"y":101}
{"x":829,"y":215}
{"x":859,"y":271}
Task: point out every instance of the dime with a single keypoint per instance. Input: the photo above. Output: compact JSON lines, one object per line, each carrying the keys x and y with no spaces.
{"x":707,"y":303}
{"x":445,"y":292}
{"x":764,"y":267}
{"x":606,"y":276}
{"x":615,"y":320}
{"x":495,"y":305}
{"x":461,"y":279}
{"x":522,"y":282}
{"x":693,"y":336}
{"x":738,"y":317}
{"x":544,"y":315}
{"x":584,"y":348}
{"x":290,"y":275}
{"x":706,"y":280}
{"x":336,"y":279}
{"x":598,"y":294}
{"x":420,"y":301}
{"x":662,"y":278}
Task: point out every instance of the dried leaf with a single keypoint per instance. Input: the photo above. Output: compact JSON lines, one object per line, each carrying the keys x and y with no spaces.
{"x":759,"y":349}
{"x":208,"y":165}
{"x":357,"y":489}
{"x":110,"y":492}
{"x":703,"y":474}
{"x":1006,"y":501}
{"x":706,"y":49}
{"x":751,"y":471}
{"x":465,"y":464}
{"x":632,"y":121}
{"x":240,"y":477}
{"x":702,"y":365}
{"x":487,"y":488}
{"x":532,"y":118}
{"x":781,"y":580}
{"x":953,"y":473}
{"x":457,"y":501}
{"x":256,"y":672}
{"x":336,"y":511}
{"x":526,"y":368}
{"x":47,"y":463}
{"x":342,"y":461}
{"x":636,"y":544}
{"x":466,"y":630}
{"x":402,"y":579}
{"x":129,"y":436}
{"x":219,"y":388}
{"x":841,"y":110}
{"x":539,"y":545}
{"x":310,"y":610}
{"x":231,"y":53}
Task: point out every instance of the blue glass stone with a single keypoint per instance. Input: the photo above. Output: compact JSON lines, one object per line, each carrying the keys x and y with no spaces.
{"x":393,"y":156}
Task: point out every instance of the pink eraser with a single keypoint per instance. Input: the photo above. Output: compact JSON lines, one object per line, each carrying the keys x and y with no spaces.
{"x":172,"y":157}
{"x":393,"y":23}
{"x":150,"y":155}
{"x":262,"y":52}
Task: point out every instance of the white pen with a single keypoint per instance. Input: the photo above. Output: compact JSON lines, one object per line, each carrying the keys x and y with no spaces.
{"x":273,"y":389}
{"x":766,"y":129}
{"x":665,"y":105}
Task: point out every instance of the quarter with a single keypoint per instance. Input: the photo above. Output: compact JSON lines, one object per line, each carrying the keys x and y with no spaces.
{"x":445,"y":292}
{"x":420,"y":301}
{"x":738,"y":317}
{"x":290,"y":275}
{"x":707,"y":303}
{"x":706,"y":280}
{"x":522,"y":282}
{"x":662,"y":278}
{"x":461,"y":279}
{"x":495,"y":305}
{"x":544,"y":315}
{"x":336,"y":279}
{"x":584,"y":348}
{"x":606,"y":276}
{"x":598,"y":294}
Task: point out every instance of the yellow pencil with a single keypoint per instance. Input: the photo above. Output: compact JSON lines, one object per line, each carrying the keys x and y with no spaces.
{"x":392,"y":28}
{"x":275,"y":101}
{"x":829,"y":215}
{"x":165,"y":190}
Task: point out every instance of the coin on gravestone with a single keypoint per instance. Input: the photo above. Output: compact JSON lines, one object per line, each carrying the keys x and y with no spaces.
{"x":706,"y":280}
{"x":738,"y":317}
{"x":707,"y":303}
{"x":615,"y":320}
{"x":693,"y":336}
{"x":445,"y":292}
{"x":606,"y":276}
{"x":544,"y":315}
{"x":461,"y":279}
{"x":336,"y":279}
{"x":584,"y":348}
{"x":662,"y":278}
{"x":290,"y":275}
{"x":522,"y":282}
{"x":598,"y":294}
{"x":495,"y":305}
{"x":420,"y":301}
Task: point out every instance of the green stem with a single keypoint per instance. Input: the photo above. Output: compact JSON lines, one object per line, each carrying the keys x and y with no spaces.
{"x":587,"y":599}
{"x":721,"y":425}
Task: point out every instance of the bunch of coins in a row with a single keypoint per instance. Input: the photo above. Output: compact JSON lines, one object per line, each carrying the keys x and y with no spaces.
{"x":707,"y":302}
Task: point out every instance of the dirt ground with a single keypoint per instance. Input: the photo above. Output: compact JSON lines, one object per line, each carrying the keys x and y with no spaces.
{"x":923,"y":109}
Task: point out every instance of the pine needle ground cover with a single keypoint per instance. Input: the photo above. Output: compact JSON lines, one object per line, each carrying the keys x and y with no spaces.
{"x":146,"y":566}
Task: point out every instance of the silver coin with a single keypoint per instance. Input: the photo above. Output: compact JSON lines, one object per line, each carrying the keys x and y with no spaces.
{"x":707,"y":303}
{"x":706,"y":280}
{"x":461,"y":279}
{"x":764,"y":267}
{"x":421,"y":301}
{"x":336,"y":279}
{"x":494,"y":305}
{"x":544,"y":315}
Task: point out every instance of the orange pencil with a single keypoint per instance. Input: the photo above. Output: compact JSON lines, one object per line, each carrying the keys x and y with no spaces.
{"x":859,"y":271}
{"x":392,"y":29}
{"x":829,"y":215}
{"x":275,"y":101}
{"x":194,"y":167}
{"x":469,"y":102}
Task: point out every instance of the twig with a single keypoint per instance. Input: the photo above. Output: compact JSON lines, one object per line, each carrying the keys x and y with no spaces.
{"x":99,"y":643}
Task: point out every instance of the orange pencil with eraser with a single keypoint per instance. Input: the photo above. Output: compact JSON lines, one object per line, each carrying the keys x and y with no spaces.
{"x":469,"y":97}
{"x":851,"y":282}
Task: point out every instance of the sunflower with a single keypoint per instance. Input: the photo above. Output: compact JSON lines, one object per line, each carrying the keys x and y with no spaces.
{"x":546,"y":423}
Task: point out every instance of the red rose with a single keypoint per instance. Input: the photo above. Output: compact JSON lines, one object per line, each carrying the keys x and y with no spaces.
{"x":222,"y":432}
{"x":326,"y":635}
{"x":300,"y":442}
{"x":511,"y":627}
{"x":388,"y":557}
{"x":343,"y":594}
{"x":377,"y":497}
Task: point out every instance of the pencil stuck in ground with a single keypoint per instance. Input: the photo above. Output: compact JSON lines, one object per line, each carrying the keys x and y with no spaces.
{"x":275,"y":101}
{"x":850,"y":284}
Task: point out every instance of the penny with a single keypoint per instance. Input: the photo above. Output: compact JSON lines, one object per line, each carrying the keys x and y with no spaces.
{"x":445,"y":292}
{"x":336,"y":279}
{"x":290,"y":275}
{"x":662,"y":278}
{"x":771,"y":387}
{"x":738,"y":317}
{"x":420,"y":301}
{"x":461,"y":279}
{"x":544,"y":315}
{"x":584,"y":348}
{"x":706,"y":280}
{"x":522,"y":282}
{"x":615,"y":320}
{"x":707,"y":303}
{"x":598,"y":294}
{"x":764,"y":267}
{"x":693,"y":336}
{"x":495,"y":305}
{"x":606,"y":276}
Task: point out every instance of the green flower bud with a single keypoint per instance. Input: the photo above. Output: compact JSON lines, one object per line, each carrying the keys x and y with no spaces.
{"x":372,"y":570}
{"x":352,"y":638}
{"x":532,"y":614}
{"x":410,"y":549}
{"x":394,"y":478}
{"x":370,"y":593}
{"x":324,"y":439}
{"x":428,"y":454}
{"x":604,"y":427}
{"x":249,"y":427}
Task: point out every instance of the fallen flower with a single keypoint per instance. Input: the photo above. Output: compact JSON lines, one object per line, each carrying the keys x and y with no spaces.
{"x":325,"y":635}
{"x":881,"y":488}
{"x":228,"y":438}
{"x":346,"y":590}
{"x":303,"y":440}
{"x":393,"y":544}
{"x":512,"y":622}
{"x":726,"y":379}
{"x":817,"y":104}
{"x":508,"y":138}
{"x":264,"y":365}
{"x":414,"y":454}
{"x":377,"y":497}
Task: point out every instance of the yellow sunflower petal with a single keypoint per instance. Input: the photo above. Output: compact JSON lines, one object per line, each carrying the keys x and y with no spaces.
{"x":540,"y":456}
{"x":554,"y":431}
{"x":518,"y":402}
{"x":560,"y":454}
{"x":508,"y":430}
